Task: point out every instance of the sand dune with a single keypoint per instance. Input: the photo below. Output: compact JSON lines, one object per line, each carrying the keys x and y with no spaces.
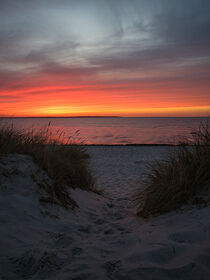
{"x":103,"y":239}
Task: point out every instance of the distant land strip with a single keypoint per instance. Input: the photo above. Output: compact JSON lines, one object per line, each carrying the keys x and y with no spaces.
{"x":105,"y":117}
{"x":122,"y":145}
{"x":68,"y":117}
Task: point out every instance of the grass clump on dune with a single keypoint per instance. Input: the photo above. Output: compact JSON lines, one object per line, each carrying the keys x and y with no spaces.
{"x":181,"y":177}
{"x":64,"y":162}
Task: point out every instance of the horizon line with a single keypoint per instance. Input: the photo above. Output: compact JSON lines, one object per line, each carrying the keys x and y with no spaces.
{"x":66,"y":117}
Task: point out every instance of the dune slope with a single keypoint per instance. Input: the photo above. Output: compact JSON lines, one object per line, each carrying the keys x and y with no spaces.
{"x":103,"y":239}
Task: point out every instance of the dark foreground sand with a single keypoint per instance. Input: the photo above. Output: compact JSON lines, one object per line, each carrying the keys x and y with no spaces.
{"x":103,"y":239}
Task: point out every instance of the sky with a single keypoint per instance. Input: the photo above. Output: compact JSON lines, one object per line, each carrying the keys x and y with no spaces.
{"x":105,"y":57}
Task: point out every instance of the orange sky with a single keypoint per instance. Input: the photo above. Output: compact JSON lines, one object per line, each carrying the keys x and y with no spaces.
{"x":123,"y":99}
{"x":123,"y":58}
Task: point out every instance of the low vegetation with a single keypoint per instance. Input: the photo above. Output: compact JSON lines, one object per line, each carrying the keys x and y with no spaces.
{"x":180,"y":178}
{"x":64,"y":162}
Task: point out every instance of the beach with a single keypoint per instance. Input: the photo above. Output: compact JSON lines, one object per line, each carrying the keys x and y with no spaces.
{"x":105,"y":140}
{"x":103,"y":238}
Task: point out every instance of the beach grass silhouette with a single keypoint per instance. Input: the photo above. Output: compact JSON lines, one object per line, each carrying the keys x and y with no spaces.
{"x":65,"y":162}
{"x":181,"y":177}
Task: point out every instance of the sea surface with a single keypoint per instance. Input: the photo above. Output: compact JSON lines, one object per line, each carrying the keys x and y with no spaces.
{"x":115,"y":131}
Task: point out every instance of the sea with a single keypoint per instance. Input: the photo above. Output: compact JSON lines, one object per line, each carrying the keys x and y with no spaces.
{"x":115,"y":130}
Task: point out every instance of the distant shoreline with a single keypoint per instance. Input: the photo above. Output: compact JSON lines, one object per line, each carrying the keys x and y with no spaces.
{"x":51,"y":117}
{"x":98,"y":117}
{"x":128,"y":145}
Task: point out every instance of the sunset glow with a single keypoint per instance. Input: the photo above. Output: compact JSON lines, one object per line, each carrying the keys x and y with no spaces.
{"x":105,"y":58}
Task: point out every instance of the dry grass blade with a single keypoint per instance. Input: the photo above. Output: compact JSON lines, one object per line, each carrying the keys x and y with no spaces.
{"x":184,"y":174}
{"x":65,"y":163}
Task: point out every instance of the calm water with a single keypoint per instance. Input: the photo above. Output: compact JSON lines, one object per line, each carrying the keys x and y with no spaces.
{"x":116,"y":130}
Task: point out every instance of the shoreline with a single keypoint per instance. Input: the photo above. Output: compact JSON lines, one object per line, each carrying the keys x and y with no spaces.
{"x":128,"y":145}
{"x":70,"y":117}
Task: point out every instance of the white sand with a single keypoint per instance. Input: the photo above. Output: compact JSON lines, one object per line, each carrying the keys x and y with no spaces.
{"x":103,"y":239}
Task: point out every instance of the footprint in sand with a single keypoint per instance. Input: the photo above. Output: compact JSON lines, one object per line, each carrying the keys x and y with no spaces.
{"x":60,"y":239}
{"x":77,"y":251}
{"x":99,"y":222}
{"x":85,"y":229}
{"x":38,"y":263}
{"x":109,"y":231}
{"x":185,"y":237}
{"x":112,"y":266}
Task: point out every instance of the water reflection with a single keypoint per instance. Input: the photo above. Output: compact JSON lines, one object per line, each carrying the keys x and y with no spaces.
{"x":115,"y":130}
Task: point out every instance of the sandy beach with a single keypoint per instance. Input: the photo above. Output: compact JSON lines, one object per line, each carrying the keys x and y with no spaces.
{"x":104,"y":140}
{"x":103,"y":238}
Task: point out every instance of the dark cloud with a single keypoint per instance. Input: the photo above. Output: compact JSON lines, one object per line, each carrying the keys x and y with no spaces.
{"x":75,"y":40}
{"x":188,"y":21}
{"x":69,"y":72}
{"x":156,"y":58}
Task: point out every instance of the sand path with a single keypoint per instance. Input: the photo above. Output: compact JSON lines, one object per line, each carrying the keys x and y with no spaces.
{"x":122,"y":246}
{"x":104,"y":239}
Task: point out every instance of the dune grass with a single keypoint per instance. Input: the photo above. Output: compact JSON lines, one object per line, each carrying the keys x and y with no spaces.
{"x":64,"y":162}
{"x":182,"y":176}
